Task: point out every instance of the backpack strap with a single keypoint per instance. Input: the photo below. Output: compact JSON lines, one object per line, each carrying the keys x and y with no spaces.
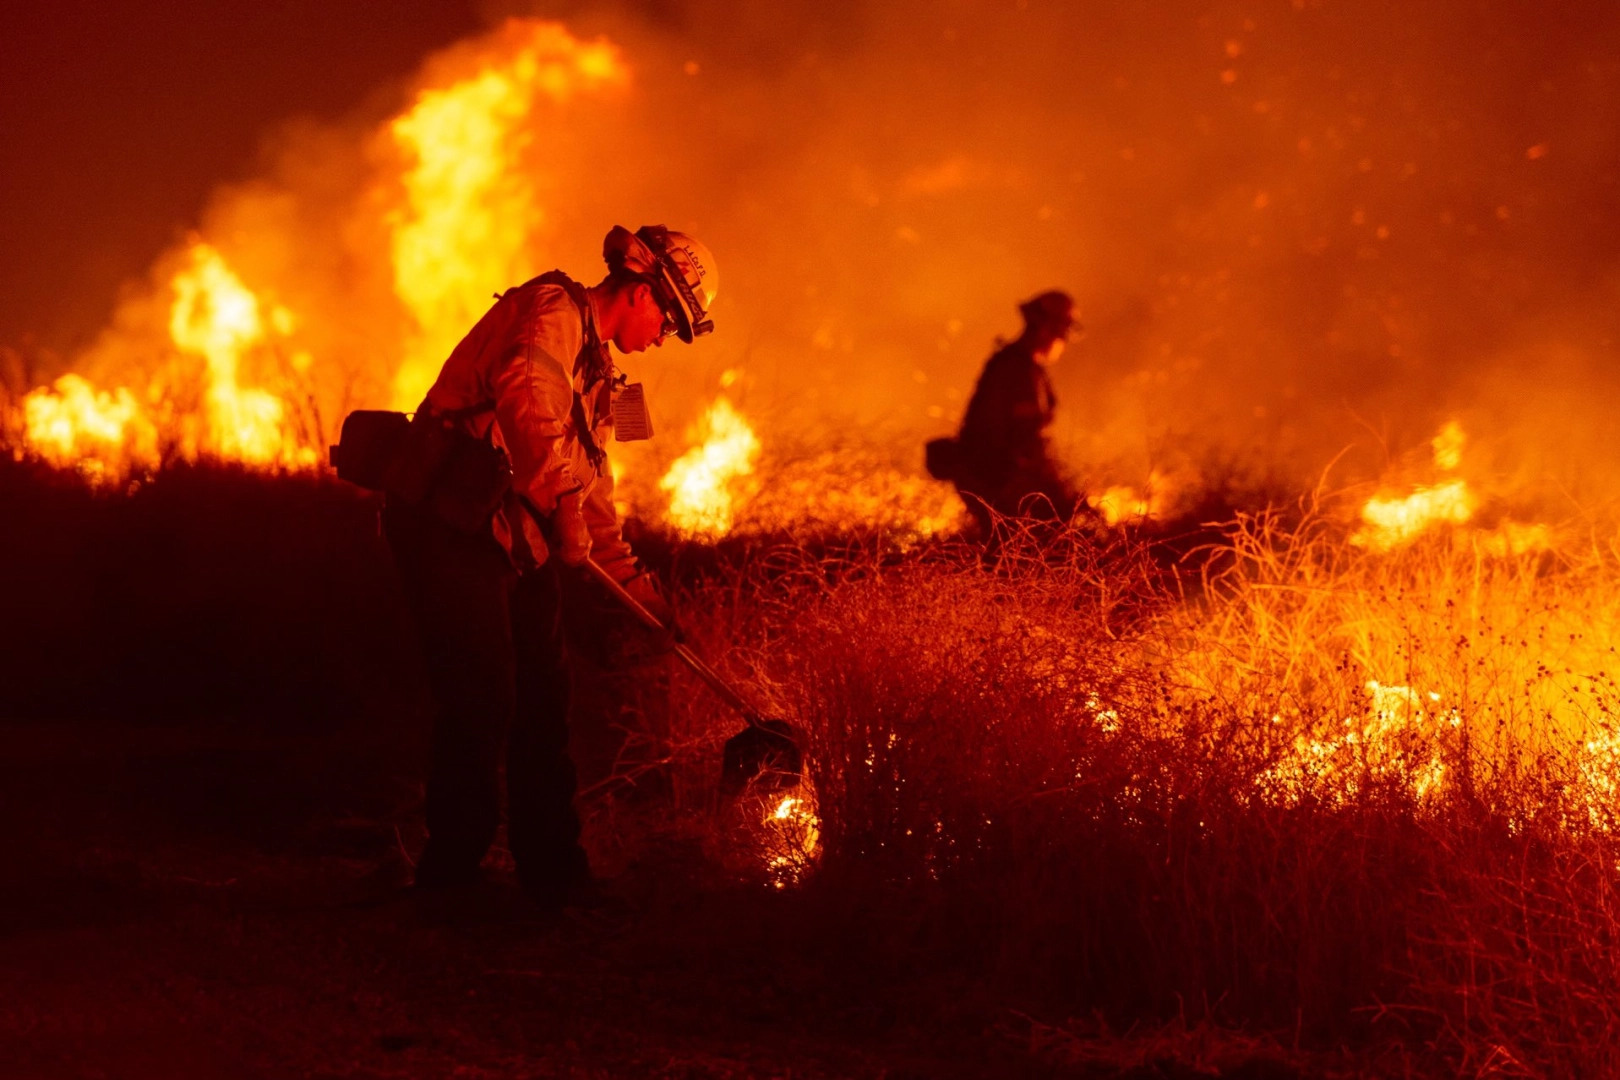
{"x":592,"y":352}
{"x":593,"y":357}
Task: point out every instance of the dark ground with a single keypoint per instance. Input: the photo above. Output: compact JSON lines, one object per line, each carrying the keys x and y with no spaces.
{"x":185,"y":903}
{"x":208,"y":795}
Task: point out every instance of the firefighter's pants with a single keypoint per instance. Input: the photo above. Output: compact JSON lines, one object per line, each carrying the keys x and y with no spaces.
{"x":1024,"y":486}
{"x":493,"y":641}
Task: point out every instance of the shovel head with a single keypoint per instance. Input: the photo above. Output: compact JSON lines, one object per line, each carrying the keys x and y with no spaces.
{"x":766,"y":754}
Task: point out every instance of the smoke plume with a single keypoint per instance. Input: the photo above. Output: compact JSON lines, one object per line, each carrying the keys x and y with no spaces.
{"x":1294,"y":229}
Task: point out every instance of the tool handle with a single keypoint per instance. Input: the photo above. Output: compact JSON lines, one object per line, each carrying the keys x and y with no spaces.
{"x":692,"y":659}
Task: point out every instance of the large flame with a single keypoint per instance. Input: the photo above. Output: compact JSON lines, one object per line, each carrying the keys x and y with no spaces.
{"x":453,"y":207}
{"x":1396,"y":521}
{"x":469,"y":211}
{"x":107,"y":434}
{"x":1392,"y":522}
{"x":453,"y":211}
{"x":216,"y":317}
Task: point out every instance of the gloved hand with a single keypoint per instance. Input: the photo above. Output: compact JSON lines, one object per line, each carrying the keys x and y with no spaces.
{"x":643,"y":586}
{"x":572,"y":535}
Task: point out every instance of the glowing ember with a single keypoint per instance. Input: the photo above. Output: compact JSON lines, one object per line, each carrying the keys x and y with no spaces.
{"x":469,"y":210}
{"x":792,"y":839}
{"x":1395,"y":742}
{"x":701,"y":482}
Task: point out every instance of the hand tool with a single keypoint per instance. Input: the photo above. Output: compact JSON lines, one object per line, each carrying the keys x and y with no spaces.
{"x":767,"y":752}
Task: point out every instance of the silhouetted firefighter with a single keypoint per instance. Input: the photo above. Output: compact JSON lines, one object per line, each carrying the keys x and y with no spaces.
{"x":477,"y":541}
{"x":999,"y":460}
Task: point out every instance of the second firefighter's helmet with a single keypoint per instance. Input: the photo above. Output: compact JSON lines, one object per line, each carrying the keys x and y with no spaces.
{"x":679,"y":268}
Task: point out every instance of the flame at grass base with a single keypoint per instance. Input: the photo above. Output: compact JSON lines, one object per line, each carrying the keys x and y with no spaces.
{"x":792,"y":837}
{"x":108,"y":434}
{"x":1393,"y":522}
{"x":702,"y":483}
{"x":217,"y":317}
{"x":1122,"y":505}
{"x":1395,"y":742}
{"x":105,"y":434}
{"x":729,"y":483}
{"x":769,"y":838}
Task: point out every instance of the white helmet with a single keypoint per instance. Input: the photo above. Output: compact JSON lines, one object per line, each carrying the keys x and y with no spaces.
{"x":681,"y":271}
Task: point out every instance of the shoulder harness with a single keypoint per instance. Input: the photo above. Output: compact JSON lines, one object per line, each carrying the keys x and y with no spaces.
{"x":593,"y":358}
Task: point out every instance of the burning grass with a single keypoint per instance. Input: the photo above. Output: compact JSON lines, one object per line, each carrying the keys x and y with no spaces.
{"x":1328,"y":794}
{"x":1334,"y":793}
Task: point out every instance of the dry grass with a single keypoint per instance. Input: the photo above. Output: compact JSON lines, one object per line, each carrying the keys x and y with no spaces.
{"x":1090,"y":785}
{"x":1332,"y":794}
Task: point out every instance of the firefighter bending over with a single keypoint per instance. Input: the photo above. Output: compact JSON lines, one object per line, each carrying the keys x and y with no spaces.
{"x":1000,"y":461}
{"x":535,"y":378}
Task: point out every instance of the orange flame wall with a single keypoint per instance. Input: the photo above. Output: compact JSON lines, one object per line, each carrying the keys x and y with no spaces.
{"x":1286,"y":224}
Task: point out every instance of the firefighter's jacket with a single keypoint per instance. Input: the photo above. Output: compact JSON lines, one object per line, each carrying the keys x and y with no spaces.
{"x":550,"y":382}
{"x":1007,"y":417}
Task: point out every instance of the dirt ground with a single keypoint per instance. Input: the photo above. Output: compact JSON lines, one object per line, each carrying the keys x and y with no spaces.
{"x":209,"y":901}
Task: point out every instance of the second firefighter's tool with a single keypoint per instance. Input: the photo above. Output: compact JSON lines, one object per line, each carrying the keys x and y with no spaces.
{"x":766,"y":753}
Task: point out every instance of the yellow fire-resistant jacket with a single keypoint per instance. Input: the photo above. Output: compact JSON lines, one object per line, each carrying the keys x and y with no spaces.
{"x":528,"y":357}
